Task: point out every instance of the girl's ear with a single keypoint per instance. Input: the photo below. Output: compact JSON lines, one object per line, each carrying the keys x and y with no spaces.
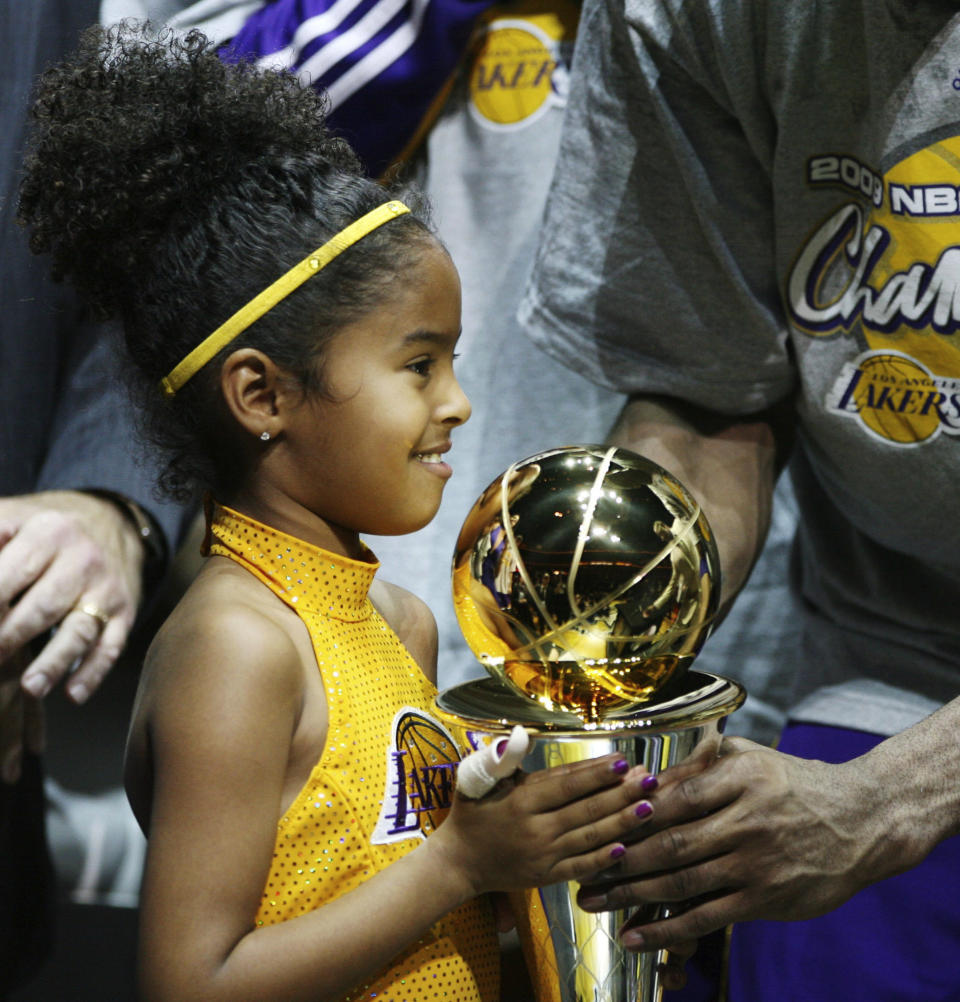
{"x":253,"y":389}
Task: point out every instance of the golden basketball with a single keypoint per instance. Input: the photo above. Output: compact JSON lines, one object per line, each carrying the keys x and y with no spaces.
{"x":586,"y":578}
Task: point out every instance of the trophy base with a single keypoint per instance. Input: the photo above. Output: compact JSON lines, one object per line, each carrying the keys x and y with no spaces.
{"x":572,"y":955}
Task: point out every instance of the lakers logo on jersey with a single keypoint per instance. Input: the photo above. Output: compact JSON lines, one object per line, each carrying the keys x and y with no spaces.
{"x":421,"y":767}
{"x":885,"y":268}
{"x":521,"y":68}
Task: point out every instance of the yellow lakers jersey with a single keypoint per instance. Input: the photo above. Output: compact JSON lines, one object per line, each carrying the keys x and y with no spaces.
{"x":385,"y":777}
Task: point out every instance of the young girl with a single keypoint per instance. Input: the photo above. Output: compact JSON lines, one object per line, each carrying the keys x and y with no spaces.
{"x":293,"y":329}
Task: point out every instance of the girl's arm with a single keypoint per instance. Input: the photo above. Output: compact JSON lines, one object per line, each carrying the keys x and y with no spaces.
{"x":222,"y":723}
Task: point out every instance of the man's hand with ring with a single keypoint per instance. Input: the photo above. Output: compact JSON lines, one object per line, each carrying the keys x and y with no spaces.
{"x":69,"y":561}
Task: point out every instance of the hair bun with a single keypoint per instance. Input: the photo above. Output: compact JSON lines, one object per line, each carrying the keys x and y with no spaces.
{"x":138,"y":133}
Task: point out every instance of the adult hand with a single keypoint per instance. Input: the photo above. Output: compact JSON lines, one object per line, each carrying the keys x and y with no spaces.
{"x":72,"y":561}
{"x":757,"y":834}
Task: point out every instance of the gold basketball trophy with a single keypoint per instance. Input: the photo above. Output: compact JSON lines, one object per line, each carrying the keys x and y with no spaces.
{"x":586,"y":580}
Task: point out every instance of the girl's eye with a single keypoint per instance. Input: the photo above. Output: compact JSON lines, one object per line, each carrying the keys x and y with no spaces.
{"x":421,"y":366}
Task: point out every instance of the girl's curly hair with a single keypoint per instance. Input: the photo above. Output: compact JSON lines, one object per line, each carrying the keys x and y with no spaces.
{"x":170,"y":187}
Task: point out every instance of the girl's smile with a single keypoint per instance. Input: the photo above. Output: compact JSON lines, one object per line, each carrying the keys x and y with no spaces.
{"x":433,"y":459}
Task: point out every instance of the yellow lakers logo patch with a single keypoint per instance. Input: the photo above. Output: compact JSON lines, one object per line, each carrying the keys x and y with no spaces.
{"x":520,"y":71}
{"x":421,"y":769}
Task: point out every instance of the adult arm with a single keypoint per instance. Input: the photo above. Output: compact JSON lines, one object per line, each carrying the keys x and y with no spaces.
{"x":729,"y":465}
{"x":760,"y":834}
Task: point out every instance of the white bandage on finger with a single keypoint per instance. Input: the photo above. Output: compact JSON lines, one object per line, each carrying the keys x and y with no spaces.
{"x":481,"y":770}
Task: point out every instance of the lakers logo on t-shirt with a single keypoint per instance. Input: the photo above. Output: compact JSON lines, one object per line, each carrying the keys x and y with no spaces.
{"x":521,"y":69}
{"x":421,"y":768}
{"x":896,"y":398}
{"x":886,"y":268}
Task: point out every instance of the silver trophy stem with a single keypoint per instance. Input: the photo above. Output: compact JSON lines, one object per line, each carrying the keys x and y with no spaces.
{"x":573,"y":955}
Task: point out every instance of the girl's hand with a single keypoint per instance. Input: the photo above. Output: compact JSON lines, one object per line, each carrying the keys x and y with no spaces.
{"x":557,"y":824}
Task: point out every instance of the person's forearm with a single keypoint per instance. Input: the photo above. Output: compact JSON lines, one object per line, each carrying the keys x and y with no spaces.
{"x":321,"y":955}
{"x":730,"y":467}
{"x":913,"y":780}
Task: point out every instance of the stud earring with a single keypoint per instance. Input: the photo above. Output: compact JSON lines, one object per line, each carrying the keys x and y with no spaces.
{"x":264,"y":436}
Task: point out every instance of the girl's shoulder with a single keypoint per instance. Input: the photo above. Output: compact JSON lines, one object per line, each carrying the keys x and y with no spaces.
{"x":224,"y":673}
{"x":412,"y":621}
{"x":228,"y":623}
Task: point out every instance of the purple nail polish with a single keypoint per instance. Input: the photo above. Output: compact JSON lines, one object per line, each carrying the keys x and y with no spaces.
{"x":621,"y":766}
{"x":617,"y":852}
{"x":649,"y":783}
{"x":643,"y":809}
{"x":502,"y":746}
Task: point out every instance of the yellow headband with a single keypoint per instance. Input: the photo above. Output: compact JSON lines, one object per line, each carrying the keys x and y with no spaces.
{"x":272,"y":295}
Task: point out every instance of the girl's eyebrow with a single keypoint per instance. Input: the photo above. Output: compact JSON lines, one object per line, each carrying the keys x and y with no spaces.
{"x":429,"y":337}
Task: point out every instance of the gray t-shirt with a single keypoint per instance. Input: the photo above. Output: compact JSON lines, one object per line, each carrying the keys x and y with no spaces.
{"x":756,"y":201}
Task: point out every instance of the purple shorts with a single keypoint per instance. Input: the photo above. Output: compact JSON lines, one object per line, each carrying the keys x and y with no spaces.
{"x":895,"y":941}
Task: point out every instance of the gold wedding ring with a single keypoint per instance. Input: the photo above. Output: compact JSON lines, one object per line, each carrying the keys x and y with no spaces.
{"x":94,"y":610}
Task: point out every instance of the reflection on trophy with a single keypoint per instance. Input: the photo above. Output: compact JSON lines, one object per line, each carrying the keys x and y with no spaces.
{"x":585,"y":580}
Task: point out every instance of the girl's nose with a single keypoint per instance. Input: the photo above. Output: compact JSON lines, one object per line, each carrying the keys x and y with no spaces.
{"x":456,"y":408}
